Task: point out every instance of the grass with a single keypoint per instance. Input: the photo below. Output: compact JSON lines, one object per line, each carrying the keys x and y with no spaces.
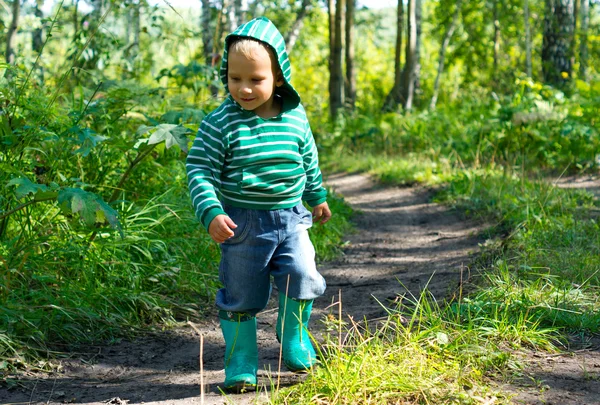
{"x":536,"y":282}
{"x":163,"y":271}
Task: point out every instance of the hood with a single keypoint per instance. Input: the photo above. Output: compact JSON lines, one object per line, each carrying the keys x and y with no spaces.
{"x":262,"y":29}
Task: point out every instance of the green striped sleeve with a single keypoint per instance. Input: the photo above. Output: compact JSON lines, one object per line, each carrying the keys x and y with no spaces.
{"x":204,"y":164}
{"x":314,"y":192}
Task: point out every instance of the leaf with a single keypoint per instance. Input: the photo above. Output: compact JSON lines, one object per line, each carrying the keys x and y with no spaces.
{"x":442,"y":338}
{"x":26,"y":186}
{"x":90,"y":207}
{"x":87,"y":139}
{"x":143,"y":129}
{"x":171,"y":134}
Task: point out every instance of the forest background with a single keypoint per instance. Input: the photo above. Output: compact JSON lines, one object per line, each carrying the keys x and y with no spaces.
{"x":486,"y":100}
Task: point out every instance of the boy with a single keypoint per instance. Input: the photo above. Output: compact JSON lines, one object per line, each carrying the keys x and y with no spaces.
{"x":252,"y":164}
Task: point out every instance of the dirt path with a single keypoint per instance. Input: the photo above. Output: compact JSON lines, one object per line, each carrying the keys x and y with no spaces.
{"x":402,"y":238}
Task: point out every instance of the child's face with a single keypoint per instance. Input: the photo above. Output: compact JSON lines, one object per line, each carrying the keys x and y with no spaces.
{"x":252,"y":81}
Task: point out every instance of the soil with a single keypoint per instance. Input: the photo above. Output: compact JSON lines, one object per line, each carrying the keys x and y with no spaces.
{"x":403,"y":244}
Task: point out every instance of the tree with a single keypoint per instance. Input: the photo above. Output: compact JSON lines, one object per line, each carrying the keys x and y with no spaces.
{"x":441,"y":60}
{"x":583,"y":39}
{"x":136,"y":23}
{"x":417,"y":74}
{"x":557,"y":48}
{"x":528,"y":66}
{"x":294,"y":32}
{"x":394,"y":97}
{"x":12,"y":32}
{"x":409,"y":72}
{"x":350,"y":72}
{"x":235,"y":13}
{"x":37,"y":41}
{"x":336,"y":73}
{"x":75,"y":18}
{"x":496,"y":18}
{"x":207,"y":37}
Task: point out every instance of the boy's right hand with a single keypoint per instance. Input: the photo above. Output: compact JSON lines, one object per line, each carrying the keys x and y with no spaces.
{"x":221,"y":228}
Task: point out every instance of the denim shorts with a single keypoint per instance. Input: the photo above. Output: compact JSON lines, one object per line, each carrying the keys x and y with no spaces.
{"x":267,"y":243}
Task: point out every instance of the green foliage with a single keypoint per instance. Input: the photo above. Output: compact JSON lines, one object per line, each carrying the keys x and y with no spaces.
{"x":76,"y":281}
{"x":329,"y":238}
{"x":536,"y":128}
{"x":551,"y":262}
{"x":421,"y":353}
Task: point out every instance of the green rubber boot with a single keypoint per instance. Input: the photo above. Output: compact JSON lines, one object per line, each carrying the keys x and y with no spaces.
{"x":292,"y":332}
{"x":241,"y":351}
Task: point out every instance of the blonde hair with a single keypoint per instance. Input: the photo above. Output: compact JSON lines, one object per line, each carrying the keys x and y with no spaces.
{"x":247,"y":46}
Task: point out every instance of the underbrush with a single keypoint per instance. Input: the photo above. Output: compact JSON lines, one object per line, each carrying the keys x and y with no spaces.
{"x":536,"y":282}
{"x":550,"y":257}
{"x":423,"y":352}
{"x":98,"y":239}
{"x":536,"y":126}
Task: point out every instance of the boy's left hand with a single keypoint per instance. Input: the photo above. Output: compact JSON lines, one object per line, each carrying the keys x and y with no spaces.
{"x":321,"y":213}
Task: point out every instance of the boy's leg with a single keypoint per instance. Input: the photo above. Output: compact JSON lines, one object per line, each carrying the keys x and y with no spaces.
{"x":241,"y":352}
{"x":294,"y":269}
{"x":245,"y":275}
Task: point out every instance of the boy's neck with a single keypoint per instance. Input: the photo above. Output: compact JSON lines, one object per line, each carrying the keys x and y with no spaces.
{"x":272,"y":110}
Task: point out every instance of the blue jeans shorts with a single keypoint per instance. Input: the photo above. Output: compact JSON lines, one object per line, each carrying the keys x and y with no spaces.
{"x":267,"y":243}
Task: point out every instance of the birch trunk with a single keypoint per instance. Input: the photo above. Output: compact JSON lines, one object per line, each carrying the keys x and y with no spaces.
{"x":137,"y":24}
{"x":207,"y":38}
{"x":294,"y":32}
{"x":408,"y":76}
{"x":241,"y":6}
{"x":75,"y":17}
{"x":528,"y":65}
{"x":12,"y":32}
{"x":336,"y":98}
{"x":557,"y":43}
{"x":446,"y":41}
{"x":496,"y":38}
{"x":417,"y":74}
{"x":37,"y":36}
{"x":394,"y":97}
{"x":583,"y":39}
{"x":350,"y":73}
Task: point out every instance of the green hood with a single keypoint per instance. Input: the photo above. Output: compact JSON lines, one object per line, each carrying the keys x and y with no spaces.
{"x":262,"y":29}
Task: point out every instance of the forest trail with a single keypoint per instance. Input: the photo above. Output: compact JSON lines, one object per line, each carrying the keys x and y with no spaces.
{"x":403,"y":241}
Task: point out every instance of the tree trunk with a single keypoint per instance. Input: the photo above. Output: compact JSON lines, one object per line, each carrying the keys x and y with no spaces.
{"x":128,"y":25}
{"x":408,"y":76}
{"x":336,"y":98}
{"x":137,"y":23}
{"x":445,"y":42}
{"x":232,"y":21}
{"x":241,"y":6}
{"x":12,"y":32}
{"x":75,"y":17}
{"x":417,"y":75}
{"x":207,"y":38}
{"x":294,"y":32}
{"x":583,"y":39}
{"x":528,"y":65}
{"x":394,"y":97}
{"x":350,"y":72}
{"x":97,"y":7}
{"x":331,"y":16}
{"x":37,"y":36}
{"x":576,"y":4}
{"x":557,"y":43}
{"x":496,"y":15}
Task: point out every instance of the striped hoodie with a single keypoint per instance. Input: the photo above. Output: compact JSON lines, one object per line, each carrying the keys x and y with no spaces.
{"x":243,"y":160}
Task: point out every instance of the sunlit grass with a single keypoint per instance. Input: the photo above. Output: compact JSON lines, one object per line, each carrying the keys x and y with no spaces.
{"x":423,"y":352}
{"x":405,"y":170}
{"x":536,"y":280}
